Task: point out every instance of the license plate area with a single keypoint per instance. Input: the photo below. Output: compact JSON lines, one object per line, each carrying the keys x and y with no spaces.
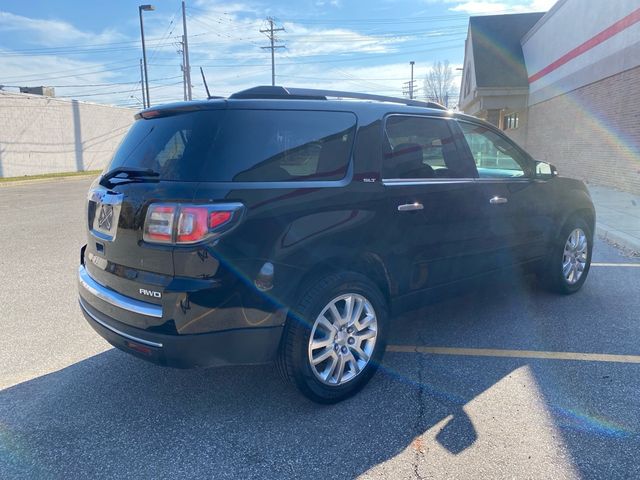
{"x":104,"y":213}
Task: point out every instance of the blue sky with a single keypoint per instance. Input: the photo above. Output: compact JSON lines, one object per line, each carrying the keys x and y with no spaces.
{"x":90,"y":50}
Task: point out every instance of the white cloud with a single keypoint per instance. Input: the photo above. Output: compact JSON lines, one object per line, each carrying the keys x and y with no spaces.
{"x":216,"y":32}
{"x":54,"y":70}
{"x":480,"y":7}
{"x":223,"y":7}
{"x":52,"y":32}
{"x":324,"y":3}
{"x":306,"y":41}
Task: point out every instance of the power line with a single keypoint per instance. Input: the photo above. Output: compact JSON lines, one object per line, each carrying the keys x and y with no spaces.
{"x":447,"y":46}
{"x":413,"y":19}
{"x":167,"y":34}
{"x":116,"y":92}
{"x":220,"y":34}
{"x":86,"y":85}
{"x":342,"y":78}
{"x":39,"y":74}
{"x":74,"y":51}
{"x":127,"y":42}
{"x":441,"y":46}
{"x":396,"y":20}
{"x":40,"y":79}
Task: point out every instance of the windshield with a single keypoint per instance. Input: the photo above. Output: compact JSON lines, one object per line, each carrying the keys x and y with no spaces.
{"x":241,"y":145}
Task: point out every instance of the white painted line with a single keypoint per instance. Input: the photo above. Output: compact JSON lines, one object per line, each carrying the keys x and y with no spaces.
{"x":486,"y":352}
{"x":631,"y":265}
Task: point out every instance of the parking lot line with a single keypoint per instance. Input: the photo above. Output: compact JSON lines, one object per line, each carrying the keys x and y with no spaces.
{"x":632,"y":265}
{"x":487,"y":352}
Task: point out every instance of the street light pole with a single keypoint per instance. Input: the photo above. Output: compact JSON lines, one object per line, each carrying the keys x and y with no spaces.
{"x":146,"y":8}
{"x":144,"y":101}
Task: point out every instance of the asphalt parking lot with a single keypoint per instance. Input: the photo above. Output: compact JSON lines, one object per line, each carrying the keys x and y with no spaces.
{"x":505,"y":382}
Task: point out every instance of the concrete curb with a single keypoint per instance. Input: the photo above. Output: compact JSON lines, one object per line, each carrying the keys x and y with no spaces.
{"x":625,"y":240}
{"x":29,"y":181}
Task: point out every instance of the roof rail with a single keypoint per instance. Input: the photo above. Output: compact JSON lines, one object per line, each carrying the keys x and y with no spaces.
{"x":274,"y":92}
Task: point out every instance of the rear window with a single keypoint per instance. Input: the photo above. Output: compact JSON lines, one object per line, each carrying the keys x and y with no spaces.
{"x":241,"y":145}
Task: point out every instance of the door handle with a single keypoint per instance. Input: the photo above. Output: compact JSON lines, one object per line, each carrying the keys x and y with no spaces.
{"x":497,"y":200}
{"x":409,"y":207}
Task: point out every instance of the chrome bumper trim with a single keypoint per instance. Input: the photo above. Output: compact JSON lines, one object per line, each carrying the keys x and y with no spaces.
{"x":116,"y":299}
{"x":115,"y":330}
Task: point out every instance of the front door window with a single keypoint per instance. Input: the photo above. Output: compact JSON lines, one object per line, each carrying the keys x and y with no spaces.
{"x":494,"y":156}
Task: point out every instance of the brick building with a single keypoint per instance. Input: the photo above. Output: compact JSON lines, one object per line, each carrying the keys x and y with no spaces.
{"x":564,"y":84}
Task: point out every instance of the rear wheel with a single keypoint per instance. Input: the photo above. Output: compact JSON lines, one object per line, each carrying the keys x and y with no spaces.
{"x":335,"y":339}
{"x":569,"y":261}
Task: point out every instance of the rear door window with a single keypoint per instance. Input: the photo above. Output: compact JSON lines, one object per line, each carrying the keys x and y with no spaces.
{"x":420,"y":148}
{"x":242,"y":145}
{"x":263,"y":145}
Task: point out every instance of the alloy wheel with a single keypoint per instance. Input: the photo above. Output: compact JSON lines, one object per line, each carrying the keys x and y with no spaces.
{"x":342,"y":339}
{"x":574,"y":258}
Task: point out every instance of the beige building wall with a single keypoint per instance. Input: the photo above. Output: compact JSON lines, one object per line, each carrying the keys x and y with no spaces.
{"x":592,"y":133}
{"x":49,"y":135}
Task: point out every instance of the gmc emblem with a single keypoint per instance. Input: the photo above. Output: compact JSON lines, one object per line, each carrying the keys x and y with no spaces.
{"x":150,"y":293}
{"x":106,"y":217}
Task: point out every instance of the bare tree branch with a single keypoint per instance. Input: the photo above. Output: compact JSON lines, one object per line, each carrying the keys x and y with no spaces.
{"x":438,"y":82}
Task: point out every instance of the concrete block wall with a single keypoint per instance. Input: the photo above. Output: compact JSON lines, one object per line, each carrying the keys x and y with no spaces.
{"x":50,"y":135}
{"x":592,"y":133}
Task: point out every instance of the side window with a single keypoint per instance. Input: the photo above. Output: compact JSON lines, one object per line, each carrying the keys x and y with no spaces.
{"x":420,"y":147}
{"x":284,"y":145}
{"x":495,"y":157}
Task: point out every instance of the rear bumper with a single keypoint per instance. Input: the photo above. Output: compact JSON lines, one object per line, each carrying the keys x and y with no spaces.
{"x":227,"y":347}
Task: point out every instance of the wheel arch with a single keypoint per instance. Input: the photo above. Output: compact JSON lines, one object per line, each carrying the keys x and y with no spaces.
{"x":367,"y":264}
{"x":582,"y":207}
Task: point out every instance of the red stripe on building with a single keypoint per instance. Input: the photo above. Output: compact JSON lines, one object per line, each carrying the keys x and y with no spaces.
{"x":620,"y":25}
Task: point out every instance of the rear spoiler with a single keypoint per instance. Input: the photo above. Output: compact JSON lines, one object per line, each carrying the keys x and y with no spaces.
{"x":176,"y":109}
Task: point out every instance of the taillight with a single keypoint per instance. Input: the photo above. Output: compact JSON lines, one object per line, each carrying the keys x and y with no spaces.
{"x":158,"y":226}
{"x":218,"y":218}
{"x":186,"y":224}
{"x":192,"y":226}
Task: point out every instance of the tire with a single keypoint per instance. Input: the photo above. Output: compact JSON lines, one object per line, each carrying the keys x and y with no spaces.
{"x":554,"y":274}
{"x":359,"y":338}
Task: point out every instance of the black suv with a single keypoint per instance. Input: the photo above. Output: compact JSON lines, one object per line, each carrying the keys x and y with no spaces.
{"x":279,"y":225}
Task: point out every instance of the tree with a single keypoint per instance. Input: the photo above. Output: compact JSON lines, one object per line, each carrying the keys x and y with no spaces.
{"x":438,"y":82}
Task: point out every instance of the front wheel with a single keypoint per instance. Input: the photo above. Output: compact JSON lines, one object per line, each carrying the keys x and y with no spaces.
{"x":569,"y":260}
{"x":335,"y":337}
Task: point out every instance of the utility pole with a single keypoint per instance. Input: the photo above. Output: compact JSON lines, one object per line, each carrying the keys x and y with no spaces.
{"x":412,"y":63}
{"x":271,"y":35}
{"x":145,"y":8}
{"x":187,"y":67}
{"x":144,"y":99}
{"x":180,"y":51}
{"x":408,"y":88}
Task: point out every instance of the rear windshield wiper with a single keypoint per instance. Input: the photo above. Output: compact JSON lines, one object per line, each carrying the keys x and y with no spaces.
{"x":131,"y":173}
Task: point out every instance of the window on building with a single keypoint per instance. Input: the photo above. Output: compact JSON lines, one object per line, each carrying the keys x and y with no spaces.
{"x":510,"y":121}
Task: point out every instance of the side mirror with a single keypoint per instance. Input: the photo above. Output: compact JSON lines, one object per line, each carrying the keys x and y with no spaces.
{"x":546,"y":170}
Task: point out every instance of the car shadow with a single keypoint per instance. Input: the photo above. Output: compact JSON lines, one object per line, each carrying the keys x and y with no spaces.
{"x":112,"y":415}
